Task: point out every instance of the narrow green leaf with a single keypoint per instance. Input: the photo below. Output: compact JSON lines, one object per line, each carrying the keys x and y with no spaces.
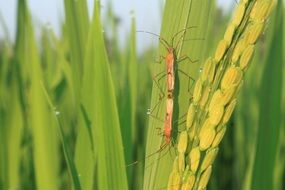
{"x":14,"y":134}
{"x":178,"y":16}
{"x":77,"y":28}
{"x":270,"y":109}
{"x":98,"y":99}
{"x":56,"y":116}
{"x":133,"y":75}
{"x":43,"y":132}
{"x":127,"y":101}
{"x":279,"y":172}
{"x":8,"y":165}
{"x":76,"y":14}
{"x":85,"y":146}
{"x":11,"y":125}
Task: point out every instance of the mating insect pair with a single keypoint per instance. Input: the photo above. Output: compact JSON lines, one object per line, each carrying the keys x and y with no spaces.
{"x":171,"y":61}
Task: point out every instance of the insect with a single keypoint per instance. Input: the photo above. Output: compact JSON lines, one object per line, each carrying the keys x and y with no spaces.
{"x":170,"y":60}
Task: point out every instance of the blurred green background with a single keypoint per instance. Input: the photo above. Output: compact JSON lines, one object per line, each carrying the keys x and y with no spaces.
{"x":73,"y":107}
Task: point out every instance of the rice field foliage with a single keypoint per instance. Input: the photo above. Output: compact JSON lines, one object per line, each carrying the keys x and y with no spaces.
{"x":81,"y":111}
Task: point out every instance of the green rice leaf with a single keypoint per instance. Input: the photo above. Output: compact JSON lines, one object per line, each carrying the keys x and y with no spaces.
{"x":98,"y":99}
{"x":85,"y":146}
{"x":14,"y":134}
{"x":77,"y":30}
{"x":43,"y":131}
{"x":178,"y":16}
{"x":11,"y":125}
{"x":67,"y":155}
{"x":270,"y":109}
{"x":127,"y":101}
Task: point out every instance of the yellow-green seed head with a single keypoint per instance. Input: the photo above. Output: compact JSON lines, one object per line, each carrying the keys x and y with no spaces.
{"x":181,"y":162}
{"x":228,"y":112}
{"x":254,"y":9}
{"x":188,"y":183}
{"x":192,"y":131}
{"x":174,"y":181}
{"x":241,"y":45}
{"x":228,"y":95}
{"x":212,"y":71}
{"x":253,"y":33}
{"x":260,"y":10}
{"x":209,"y":67}
{"x":190,"y":116}
{"x":182,"y":142}
{"x":221,"y":49}
{"x":218,"y":138}
{"x":197,"y":91}
{"x":207,"y":125}
{"x":239,"y":13}
{"x":230,"y":33}
{"x":216,"y":114}
{"x":206,"y":138}
{"x":205,"y":96}
{"x":209,"y":158}
{"x":219,"y":127}
{"x":205,"y":178}
{"x":271,"y":8}
{"x":232,"y":77}
{"x":186,"y":172}
{"x":195,"y":142}
{"x":246,"y":57}
{"x":216,"y":99}
{"x":238,"y":88}
{"x":194,"y":159}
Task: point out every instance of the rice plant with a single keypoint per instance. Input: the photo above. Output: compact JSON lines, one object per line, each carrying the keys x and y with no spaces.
{"x":206,"y":110}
